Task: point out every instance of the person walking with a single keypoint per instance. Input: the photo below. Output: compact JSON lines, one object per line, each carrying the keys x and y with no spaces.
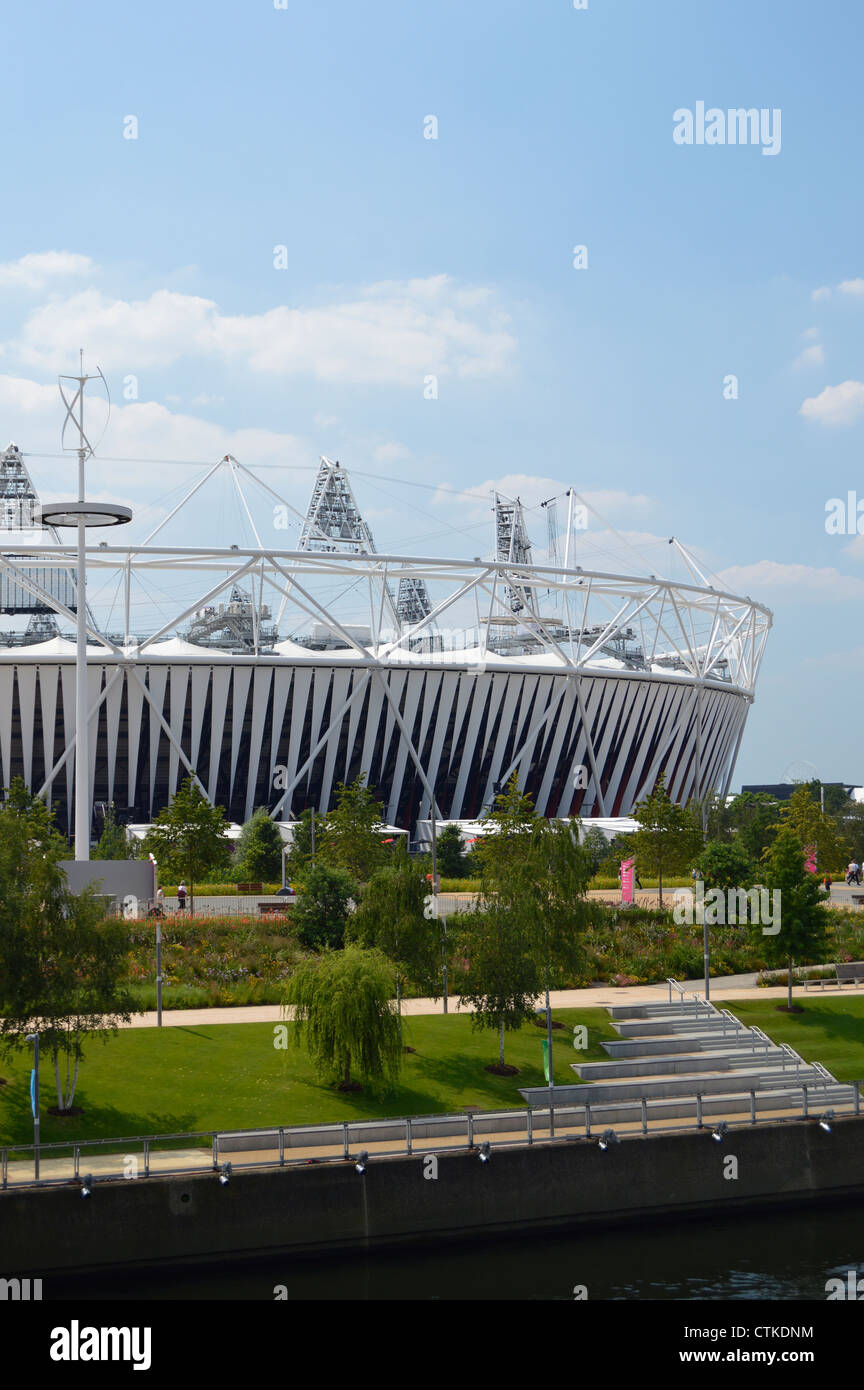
{"x":181,"y":897}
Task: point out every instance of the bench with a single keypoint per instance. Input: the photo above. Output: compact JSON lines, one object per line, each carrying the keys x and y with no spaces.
{"x":847,"y":972}
{"x":268,"y":909}
{"x":249,"y":887}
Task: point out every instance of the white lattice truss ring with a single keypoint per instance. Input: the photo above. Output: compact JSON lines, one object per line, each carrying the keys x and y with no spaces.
{"x":281,"y":728}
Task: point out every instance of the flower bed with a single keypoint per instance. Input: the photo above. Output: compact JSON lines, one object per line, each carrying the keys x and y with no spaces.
{"x":212,"y":961}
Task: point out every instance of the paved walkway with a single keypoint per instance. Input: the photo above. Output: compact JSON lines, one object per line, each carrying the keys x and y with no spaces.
{"x":725,"y":987}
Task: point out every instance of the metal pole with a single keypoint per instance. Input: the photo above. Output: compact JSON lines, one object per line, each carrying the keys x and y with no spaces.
{"x":284,"y":848}
{"x":82,"y":759}
{"x":444,"y":948}
{"x":36,"y":1122}
{"x":549,"y":1059}
{"x":158,"y":973}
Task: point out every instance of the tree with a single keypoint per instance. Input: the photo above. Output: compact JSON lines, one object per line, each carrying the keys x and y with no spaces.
{"x":726,"y":866}
{"x":450,"y":853}
{"x":753,"y":818}
{"x":669,"y":836}
{"x":352,"y":835}
{"x":63,"y":964}
{"x":813,"y":828}
{"x":850,"y":824}
{"x":837,"y":799}
{"x":803,"y":927}
{"x":324,"y":905}
{"x":259,"y":851}
{"x":597,"y":846}
{"x":307,"y":839}
{"x":391,"y":917}
{"x":188,"y":839}
{"x":113,"y":843}
{"x":502,"y":981}
{"x":345,"y":1015}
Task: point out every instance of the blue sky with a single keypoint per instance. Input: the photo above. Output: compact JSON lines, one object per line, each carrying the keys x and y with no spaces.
{"x":303,"y":127}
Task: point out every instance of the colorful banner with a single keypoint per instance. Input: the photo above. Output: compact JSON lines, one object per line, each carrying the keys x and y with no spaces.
{"x":625,"y":873}
{"x":545,"y":1046}
{"x":810,"y":860}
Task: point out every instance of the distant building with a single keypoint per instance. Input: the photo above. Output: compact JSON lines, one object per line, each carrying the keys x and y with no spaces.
{"x":781,"y":791}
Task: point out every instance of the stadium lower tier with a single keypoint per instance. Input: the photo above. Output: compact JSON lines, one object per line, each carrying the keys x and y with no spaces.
{"x":282,"y":733}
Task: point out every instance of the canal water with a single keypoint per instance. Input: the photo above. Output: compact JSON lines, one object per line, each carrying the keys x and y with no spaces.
{"x":783,"y":1256}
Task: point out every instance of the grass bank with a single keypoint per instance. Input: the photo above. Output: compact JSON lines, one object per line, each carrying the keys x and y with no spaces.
{"x":830,"y":1031}
{"x":230,"y":1076}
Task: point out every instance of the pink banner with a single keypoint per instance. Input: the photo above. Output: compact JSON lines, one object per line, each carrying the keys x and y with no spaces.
{"x":625,"y":873}
{"x":810,"y":860}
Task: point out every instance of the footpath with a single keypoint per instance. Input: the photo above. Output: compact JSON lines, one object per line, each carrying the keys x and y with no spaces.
{"x":725,"y":987}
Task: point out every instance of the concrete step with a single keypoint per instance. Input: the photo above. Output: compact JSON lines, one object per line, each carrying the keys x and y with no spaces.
{"x":662,"y":1025}
{"x":720,"y":1060}
{"x":688,"y":1083}
{"x":668,"y":1046}
{"x":651,"y":1010}
{"x":714,"y":1107}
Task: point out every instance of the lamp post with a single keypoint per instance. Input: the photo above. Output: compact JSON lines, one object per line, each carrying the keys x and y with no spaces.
{"x":34,"y":1101}
{"x":80,"y":514}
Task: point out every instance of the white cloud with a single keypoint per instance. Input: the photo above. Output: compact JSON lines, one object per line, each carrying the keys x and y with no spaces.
{"x":37,"y":269}
{"x":855,"y":287}
{"x":387,"y":333}
{"x":391,"y":453}
{"x":823,"y":292}
{"x":801,"y":582}
{"x":836,"y":405}
{"x":813,"y":356}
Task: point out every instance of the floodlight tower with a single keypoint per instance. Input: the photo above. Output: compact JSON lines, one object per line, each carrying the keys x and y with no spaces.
{"x":513,"y":546}
{"x":81,"y":514}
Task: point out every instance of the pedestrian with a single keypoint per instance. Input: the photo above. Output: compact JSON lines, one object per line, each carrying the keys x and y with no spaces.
{"x":181,"y":897}
{"x":160,"y":901}
{"x":826,"y":883}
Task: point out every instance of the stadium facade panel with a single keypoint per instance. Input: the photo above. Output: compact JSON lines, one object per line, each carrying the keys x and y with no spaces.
{"x":283,"y":731}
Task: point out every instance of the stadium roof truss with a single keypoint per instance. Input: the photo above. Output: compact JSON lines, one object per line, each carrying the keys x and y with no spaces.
{"x":694,"y":633}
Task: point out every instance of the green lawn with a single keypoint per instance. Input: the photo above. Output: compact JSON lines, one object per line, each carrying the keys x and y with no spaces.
{"x":830,"y":1031}
{"x":230,"y":1076}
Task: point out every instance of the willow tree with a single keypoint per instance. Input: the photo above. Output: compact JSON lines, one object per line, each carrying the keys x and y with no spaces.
{"x":345,"y":1017}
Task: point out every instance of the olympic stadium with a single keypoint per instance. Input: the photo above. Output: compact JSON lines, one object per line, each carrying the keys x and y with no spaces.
{"x":272,"y":674}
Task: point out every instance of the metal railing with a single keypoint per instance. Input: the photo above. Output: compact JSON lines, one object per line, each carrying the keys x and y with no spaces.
{"x":210,"y":1150}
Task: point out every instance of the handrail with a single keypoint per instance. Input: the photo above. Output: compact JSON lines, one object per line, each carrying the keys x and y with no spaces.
{"x":525,"y":1122}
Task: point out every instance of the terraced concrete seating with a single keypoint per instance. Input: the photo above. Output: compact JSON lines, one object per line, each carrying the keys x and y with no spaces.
{"x":722,"y":1106}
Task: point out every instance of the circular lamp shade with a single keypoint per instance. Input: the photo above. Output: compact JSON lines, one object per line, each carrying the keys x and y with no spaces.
{"x":91,"y":513}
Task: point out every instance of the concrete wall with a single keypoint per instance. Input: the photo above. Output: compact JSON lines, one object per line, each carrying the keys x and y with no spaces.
{"x":329,"y":1206}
